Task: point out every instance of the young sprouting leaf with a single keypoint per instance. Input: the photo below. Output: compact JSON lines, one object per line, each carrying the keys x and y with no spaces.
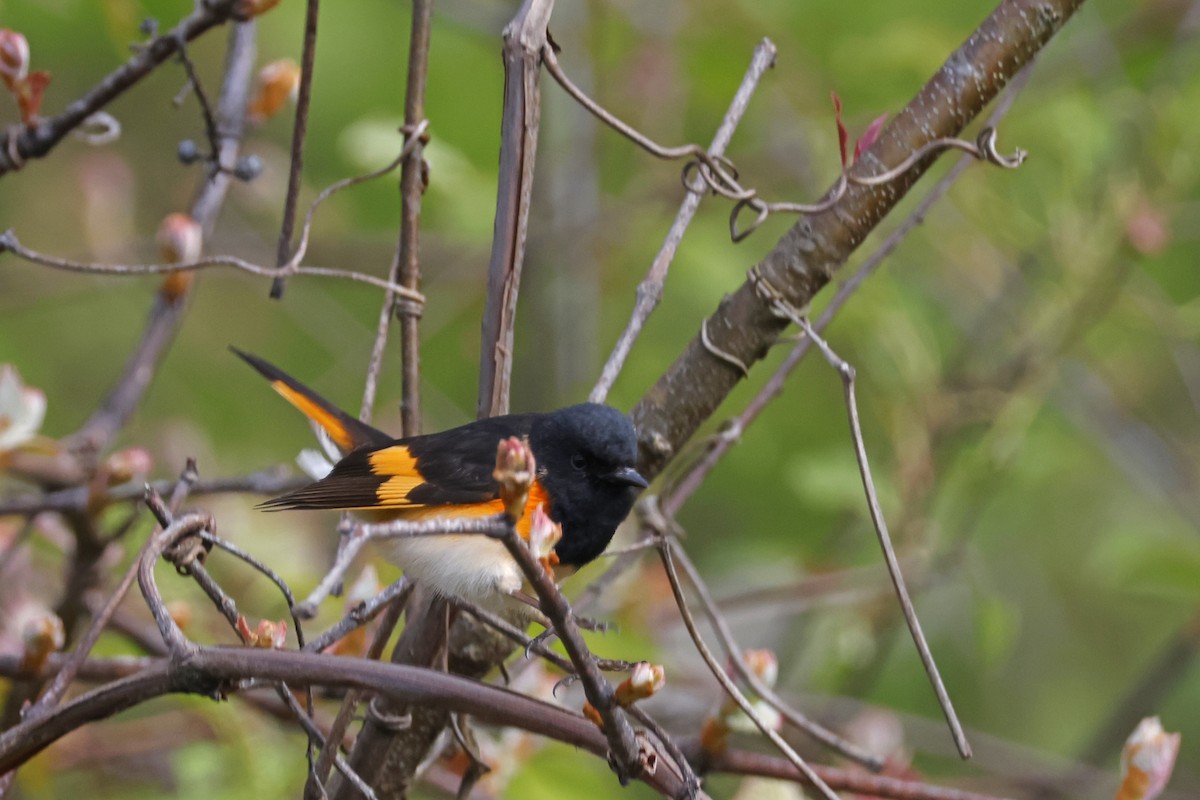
{"x":864,"y":142}
{"x":29,"y":91}
{"x":843,"y":136}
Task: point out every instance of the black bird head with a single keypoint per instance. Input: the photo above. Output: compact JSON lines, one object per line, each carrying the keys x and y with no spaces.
{"x":587,"y":457}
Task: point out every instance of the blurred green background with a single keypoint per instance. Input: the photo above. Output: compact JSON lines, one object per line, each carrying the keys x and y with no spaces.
{"x":1029,"y":363}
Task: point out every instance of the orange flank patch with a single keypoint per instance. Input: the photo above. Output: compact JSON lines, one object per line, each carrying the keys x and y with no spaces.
{"x":328,"y":422}
{"x":537,"y":496}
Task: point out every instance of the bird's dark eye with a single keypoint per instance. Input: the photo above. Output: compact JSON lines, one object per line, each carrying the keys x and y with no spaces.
{"x":578,"y":462}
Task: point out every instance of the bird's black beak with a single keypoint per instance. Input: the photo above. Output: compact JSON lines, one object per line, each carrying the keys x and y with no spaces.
{"x":628,"y":475}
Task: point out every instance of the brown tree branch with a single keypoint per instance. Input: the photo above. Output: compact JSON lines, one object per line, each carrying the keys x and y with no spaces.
{"x":212,"y":671}
{"x":283,"y":248}
{"x":524,"y":38}
{"x":649,"y":291}
{"x":413,"y":178}
{"x":77,"y":498}
{"x":741,"y":762}
{"x":166,"y":315}
{"x":19,"y":145}
{"x":744,"y":326}
{"x":165,"y":318}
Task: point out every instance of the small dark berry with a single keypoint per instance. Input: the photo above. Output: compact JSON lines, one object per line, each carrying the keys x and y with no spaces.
{"x":248,"y":168}
{"x":188,"y":152}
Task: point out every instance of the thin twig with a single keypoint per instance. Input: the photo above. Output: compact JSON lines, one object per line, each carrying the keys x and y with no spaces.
{"x":360,"y":615}
{"x":665,"y":552}
{"x":299,"y":128}
{"x":741,"y":762}
{"x":846,"y":373}
{"x":266,"y":482}
{"x":627,"y":759}
{"x":314,"y":735}
{"x":532,"y":644}
{"x":65,"y":676}
{"x":736,"y":658}
{"x":715,"y":163}
{"x":187,"y":525}
{"x":341,"y":723}
{"x":649,"y":291}
{"x":718,"y":446}
{"x":8,"y":242}
{"x":271,"y":575}
{"x":719,"y":175}
{"x":982,"y":149}
{"x":413,"y":179}
{"x":413,"y":148}
{"x":167,"y":313}
{"x":397,"y":529}
{"x":211,"y":131}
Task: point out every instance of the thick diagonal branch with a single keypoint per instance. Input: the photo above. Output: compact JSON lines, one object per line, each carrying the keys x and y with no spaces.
{"x":745,"y":325}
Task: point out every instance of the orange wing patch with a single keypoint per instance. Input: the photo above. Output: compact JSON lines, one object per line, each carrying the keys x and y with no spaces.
{"x":398,"y":464}
{"x":328,"y":422}
{"x":394,"y":460}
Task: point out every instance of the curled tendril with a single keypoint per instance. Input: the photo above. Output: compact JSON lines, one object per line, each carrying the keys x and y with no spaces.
{"x":98,"y":129}
{"x":983,"y":149}
{"x":717,"y":173}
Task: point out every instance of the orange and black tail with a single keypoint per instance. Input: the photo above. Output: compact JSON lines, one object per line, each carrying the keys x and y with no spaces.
{"x":347,"y":432}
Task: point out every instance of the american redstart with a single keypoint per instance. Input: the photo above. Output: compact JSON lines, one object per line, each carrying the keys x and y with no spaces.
{"x":586,"y":481}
